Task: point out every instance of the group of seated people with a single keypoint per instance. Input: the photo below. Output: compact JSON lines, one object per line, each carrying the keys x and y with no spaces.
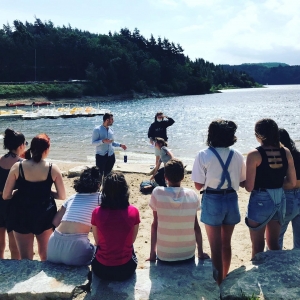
{"x":271,"y":174}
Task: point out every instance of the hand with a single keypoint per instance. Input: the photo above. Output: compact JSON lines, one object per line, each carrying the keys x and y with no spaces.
{"x":203,"y":256}
{"x":123,"y":146}
{"x":152,"y":257}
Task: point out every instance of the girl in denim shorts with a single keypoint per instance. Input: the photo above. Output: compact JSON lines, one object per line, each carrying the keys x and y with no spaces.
{"x":292,"y":194}
{"x":268,"y":168}
{"x":220,"y":171}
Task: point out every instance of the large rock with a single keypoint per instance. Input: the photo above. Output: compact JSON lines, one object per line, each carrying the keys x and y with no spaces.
{"x":271,"y":275}
{"x":31,"y":279}
{"x":76,"y":171}
{"x":160,"y":281}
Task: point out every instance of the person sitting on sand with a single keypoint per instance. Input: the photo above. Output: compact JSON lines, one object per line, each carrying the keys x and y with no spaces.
{"x":292,"y":194}
{"x":269,"y":167}
{"x":175,"y":229}
{"x":220,"y":171}
{"x":33,"y":207}
{"x":165,"y":155}
{"x":69,"y":243}
{"x":115,"y":227}
{"x":15,"y":143}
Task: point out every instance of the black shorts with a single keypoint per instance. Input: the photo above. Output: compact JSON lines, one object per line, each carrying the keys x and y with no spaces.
{"x":115,"y":273}
{"x":4,"y":210}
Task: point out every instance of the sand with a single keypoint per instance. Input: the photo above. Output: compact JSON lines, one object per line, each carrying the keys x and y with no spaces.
{"x":241,"y":244}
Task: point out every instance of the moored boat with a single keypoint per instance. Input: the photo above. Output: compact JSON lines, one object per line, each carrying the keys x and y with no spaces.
{"x":14,"y":104}
{"x":43,"y":103}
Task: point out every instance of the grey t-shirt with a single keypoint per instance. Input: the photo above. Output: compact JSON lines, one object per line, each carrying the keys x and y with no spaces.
{"x":164,"y":156}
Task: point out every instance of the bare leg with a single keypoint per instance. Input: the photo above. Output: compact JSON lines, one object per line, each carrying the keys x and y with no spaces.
{"x":42,"y":240}
{"x":25,"y":244}
{"x":14,"y":251}
{"x":198,"y":235}
{"x":257,"y":238}
{"x":272,"y":235}
{"x":2,"y":241}
{"x":215,"y":242}
{"x":227,"y":231}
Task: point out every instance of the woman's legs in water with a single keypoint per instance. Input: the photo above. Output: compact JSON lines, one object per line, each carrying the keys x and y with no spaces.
{"x":219,"y":238}
{"x":42,"y":241}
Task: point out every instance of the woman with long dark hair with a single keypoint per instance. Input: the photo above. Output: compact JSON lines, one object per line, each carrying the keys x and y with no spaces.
{"x":34,"y":206}
{"x":292,"y":194}
{"x":269,"y":167}
{"x":115,"y":227}
{"x":15,"y":143}
{"x":219,"y":170}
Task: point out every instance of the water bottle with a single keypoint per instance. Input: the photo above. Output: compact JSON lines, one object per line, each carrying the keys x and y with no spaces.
{"x":125,"y":158}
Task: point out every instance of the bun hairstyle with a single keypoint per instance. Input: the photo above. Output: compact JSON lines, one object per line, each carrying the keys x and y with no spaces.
{"x":38,"y":145}
{"x":12,"y":139}
{"x":89,"y":181}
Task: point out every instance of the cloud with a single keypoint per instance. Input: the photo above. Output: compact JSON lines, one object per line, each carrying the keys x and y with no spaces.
{"x":194,"y":3}
{"x":191,"y":28}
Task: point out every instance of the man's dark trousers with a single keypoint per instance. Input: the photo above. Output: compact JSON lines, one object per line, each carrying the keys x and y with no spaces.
{"x":105,"y":163}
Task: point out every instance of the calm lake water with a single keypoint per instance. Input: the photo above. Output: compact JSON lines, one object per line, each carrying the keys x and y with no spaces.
{"x":71,"y":138}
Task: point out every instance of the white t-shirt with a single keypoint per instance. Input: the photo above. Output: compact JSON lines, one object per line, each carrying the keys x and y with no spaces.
{"x":176,"y":209}
{"x":79,"y":207}
{"x":207,"y":169}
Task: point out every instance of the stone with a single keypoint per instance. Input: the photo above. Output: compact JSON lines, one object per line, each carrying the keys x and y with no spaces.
{"x":270,"y":275}
{"x":32,"y":279}
{"x":76,"y":171}
{"x":161,"y":281}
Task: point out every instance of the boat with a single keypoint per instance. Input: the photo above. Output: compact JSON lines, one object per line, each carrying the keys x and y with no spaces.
{"x":14,"y":104}
{"x":43,"y":103}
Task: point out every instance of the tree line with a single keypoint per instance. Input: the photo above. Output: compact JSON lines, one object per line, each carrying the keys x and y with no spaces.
{"x":269,"y":73}
{"x":113,"y":63}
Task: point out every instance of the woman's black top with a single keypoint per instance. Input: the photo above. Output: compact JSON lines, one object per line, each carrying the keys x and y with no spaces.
{"x":267,"y":177}
{"x":3,"y":176}
{"x":296,"y":158}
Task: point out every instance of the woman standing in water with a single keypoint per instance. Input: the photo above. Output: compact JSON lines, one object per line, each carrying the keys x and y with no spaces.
{"x":269,"y":167}
{"x":15,"y":143}
{"x":34,"y":206}
{"x":219,"y":170}
{"x":292,"y":194}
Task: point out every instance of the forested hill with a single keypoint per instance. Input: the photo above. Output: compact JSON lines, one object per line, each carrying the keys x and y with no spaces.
{"x":113,"y":63}
{"x":269,"y":73}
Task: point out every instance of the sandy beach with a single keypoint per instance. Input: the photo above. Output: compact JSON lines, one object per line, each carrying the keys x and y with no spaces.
{"x":241,"y":245}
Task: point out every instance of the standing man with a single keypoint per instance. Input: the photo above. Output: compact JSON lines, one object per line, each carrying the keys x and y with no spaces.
{"x":103,"y":139}
{"x":159,"y":129}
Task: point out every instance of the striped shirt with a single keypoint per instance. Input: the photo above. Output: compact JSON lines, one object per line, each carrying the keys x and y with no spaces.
{"x":176,"y":209}
{"x":79,"y":207}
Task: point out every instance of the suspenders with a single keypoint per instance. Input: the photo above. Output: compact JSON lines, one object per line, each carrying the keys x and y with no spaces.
{"x":225,"y":173}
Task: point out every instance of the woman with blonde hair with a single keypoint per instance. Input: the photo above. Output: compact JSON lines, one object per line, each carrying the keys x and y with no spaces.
{"x":34,"y":206}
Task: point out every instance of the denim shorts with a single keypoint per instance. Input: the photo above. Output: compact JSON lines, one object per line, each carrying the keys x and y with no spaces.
{"x":260,"y":207}
{"x":292,"y":203}
{"x":219,"y":209}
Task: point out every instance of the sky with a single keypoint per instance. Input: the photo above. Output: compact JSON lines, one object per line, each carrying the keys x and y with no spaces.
{"x":219,"y":31}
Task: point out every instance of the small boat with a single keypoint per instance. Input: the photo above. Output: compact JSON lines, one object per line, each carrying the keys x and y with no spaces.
{"x":44,"y":103}
{"x":14,"y":104}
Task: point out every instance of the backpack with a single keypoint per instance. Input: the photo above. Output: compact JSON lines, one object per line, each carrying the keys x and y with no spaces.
{"x":147,"y":186}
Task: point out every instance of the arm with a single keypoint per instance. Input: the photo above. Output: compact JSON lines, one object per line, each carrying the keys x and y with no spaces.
{"x":198,"y":186}
{"x":290,"y":180}
{"x":151,"y":134}
{"x":156,"y":169}
{"x":253,"y":160}
{"x":96,"y":140}
{"x":170,"y":121}
{"x":95,"y":234}
{"x":60,"y":192}
{"x":57,"y":218}
{"x":123,"y":146}
{"x":170,"y":154}
{"x":153,"y":238}
{"x":135,"y":232}
{"x":11,"y":182}
{"x":198,"y":236}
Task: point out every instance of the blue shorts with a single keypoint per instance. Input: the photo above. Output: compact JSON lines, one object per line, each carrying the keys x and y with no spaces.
{"x":260,"y":207}
{"x":219,"y":209}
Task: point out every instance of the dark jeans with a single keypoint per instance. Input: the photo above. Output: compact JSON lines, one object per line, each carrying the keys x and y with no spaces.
{"x":114,"y":273}
{"x":160,"y":177}
{"x":105,"y":163}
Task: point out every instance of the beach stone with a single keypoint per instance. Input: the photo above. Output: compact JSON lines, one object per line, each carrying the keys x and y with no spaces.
{"x":32,"y":279}
{"x":161,"y":281}
{"x":271,"y":275}
{"x":76,"y":171}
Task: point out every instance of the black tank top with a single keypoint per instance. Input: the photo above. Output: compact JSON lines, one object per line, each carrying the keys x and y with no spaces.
{"x":34,"y":191}
{"x":3,"y":176}
{"x":267,"y":177}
